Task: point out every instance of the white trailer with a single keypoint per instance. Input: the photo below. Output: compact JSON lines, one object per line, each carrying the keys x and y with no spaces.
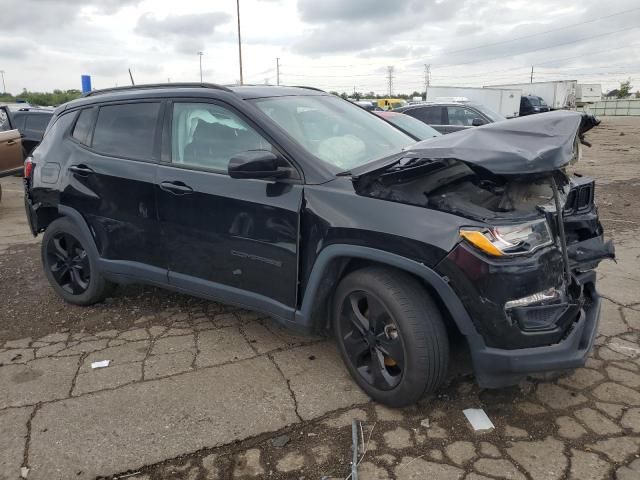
{"x":558,"y":95}
{"x":504,"y":101}
{"x":588,"y":93}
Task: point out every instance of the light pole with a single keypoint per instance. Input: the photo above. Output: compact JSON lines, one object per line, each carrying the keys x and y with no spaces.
{"x":4,"y":87}
{"x":200,"y":55}
{"x":239,"y":41}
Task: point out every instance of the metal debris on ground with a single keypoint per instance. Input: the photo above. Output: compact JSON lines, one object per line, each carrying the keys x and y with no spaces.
{"x":478,"y":420}
{"x":100,"y":364}
{"x":24,"y":471}
{"x":354,"y":438}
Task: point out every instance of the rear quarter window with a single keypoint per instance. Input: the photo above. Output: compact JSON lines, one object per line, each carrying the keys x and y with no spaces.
{"x":126,"y":130}
{"x":82,"y":128}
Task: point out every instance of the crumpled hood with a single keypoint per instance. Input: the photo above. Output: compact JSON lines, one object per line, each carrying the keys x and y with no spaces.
{"x":525,"y":145}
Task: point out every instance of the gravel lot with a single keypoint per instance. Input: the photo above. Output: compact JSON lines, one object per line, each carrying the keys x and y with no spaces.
{"x":199,"y":390}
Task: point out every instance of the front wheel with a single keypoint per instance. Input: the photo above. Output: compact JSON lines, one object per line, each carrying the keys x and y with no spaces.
{"x":70,"y":266}
{"x":390,"y":334}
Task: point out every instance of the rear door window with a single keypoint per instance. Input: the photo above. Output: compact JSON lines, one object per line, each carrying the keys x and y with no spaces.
{"x":5,"y":124}
{"x":37,"y":123}
{"x":429,"y":115}
{"x":127,"y":130}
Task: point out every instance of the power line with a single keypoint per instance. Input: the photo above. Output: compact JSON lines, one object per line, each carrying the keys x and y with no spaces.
{"x":502,"y":42}
{"x":591,"y":37}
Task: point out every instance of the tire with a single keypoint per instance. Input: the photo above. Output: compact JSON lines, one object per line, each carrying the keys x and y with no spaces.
{"x":397,"y":309}
{"x":72,"y":268}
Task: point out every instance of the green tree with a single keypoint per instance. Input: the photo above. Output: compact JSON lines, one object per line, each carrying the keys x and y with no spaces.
{"x":57,"y":97}
{"x":625,"y":89}
{"x":638,"y":94}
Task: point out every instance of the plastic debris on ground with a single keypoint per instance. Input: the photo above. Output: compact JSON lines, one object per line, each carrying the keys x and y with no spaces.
{"x":100,"y":364}
{"x":478,"y":420}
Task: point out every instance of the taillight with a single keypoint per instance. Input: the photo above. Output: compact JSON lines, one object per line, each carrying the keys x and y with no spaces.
{"x":28,"y":168}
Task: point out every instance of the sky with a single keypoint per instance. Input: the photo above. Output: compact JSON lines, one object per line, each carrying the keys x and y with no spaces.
{"x":337,"y":45}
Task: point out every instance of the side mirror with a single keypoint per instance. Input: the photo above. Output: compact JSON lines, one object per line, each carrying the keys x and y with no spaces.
{"x":256,"y":164}
{"x":477,"y":122}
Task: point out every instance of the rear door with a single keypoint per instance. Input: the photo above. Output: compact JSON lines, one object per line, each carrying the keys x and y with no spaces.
{"x":112,"y":172}
{"x":11,"y":156}
{"x":221,"y":233}
{"x":35,"y":124}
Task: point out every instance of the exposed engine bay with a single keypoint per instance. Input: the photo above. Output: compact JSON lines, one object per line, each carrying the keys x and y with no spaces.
{"x":452,"y":186}
{"x":508,"y":172}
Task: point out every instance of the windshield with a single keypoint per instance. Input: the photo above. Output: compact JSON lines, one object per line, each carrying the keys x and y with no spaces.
{"x":493,"y":116}
{"x":413,"y":127}
{"x":334,"y":130}
{"x":537,"y":102}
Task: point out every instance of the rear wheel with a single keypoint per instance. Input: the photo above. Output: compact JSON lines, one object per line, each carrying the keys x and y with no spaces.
{"x":390,"y":334}
{"x":70,"y":267}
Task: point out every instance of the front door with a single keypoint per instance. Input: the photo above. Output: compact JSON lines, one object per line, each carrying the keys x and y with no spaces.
{"x":10,"y":146}
{"x":229,"y":238}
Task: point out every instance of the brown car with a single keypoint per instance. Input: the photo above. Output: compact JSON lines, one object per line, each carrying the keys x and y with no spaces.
{"x":11,"y":154}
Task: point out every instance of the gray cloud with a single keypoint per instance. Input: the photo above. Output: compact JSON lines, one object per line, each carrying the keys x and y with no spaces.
{"x":11,"y":48}
{"x":341,"y":27}
{"x":52,"y":14}
{"x":192,"y":25}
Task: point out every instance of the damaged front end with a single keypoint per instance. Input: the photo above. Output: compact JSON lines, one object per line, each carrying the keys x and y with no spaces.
{"x":524,"y":264}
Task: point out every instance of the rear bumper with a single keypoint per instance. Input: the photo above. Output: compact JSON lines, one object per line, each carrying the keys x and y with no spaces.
{"x":495,"y":367}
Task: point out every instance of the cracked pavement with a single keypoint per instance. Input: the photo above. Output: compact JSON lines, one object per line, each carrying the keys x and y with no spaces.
{"x":198,"y":390}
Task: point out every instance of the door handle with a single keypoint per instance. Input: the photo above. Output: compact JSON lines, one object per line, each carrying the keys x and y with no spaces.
{"x":176,"y":188}
{"x":81,"y":169}
{"x":11,"y":142}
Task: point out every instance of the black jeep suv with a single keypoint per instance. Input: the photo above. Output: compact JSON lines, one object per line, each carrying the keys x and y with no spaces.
{"x":304,"y":206}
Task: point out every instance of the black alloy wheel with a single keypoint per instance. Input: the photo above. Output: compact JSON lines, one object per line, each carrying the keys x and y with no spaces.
{"x":390,"y":334}
{"x":371,"y":340}
{"x":68,"y":263}
{"x":72,"y":267}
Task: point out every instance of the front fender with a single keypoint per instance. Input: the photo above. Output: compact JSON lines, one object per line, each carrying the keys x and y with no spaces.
{"x":312,"y":295}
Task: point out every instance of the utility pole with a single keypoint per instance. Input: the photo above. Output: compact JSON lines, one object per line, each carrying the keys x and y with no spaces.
{"x":390,"y":79}
{"x":131,"y":77}
{"x":200,"y":55}
{"x":278,"y":71}
{"x":427,"y":79}
{"x":239,"y":41}
{"x":4,"y":87}
{"x":531,"y":74}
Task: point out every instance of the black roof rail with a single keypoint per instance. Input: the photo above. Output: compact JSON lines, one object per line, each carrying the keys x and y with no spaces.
{"x":149,"y":86}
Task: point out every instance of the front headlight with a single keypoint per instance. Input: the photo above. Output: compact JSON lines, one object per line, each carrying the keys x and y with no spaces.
{"x":510,"y":239}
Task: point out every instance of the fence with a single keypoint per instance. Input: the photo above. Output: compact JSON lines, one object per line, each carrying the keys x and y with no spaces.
{"x":625,"y":106}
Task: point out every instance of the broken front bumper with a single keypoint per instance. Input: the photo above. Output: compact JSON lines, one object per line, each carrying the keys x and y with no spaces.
{"x":495,"y":367}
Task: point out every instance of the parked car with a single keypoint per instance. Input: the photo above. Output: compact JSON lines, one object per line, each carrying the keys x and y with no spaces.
{"x":369,"y":106}
{"x":409,"y":125}
{"x":30,"y":121}
{"x":301,"y":205}
{"x":11,"y":158}
{"x":448,"y":117}
{"x":530,"y":104}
